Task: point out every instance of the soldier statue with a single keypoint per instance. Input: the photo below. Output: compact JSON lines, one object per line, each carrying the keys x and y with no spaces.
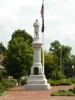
{"x":36,"y":29}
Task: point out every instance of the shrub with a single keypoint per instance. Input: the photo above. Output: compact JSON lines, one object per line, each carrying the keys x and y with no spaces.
{"x":13,"y":81}
{"x":1,"y":88}
{"x":53,"y":83}
{"x":1,"y":77}
{"x":71,"y":90}
{"x":62,"y":93}
{"x":65,"y":83}
{"x":59,"y":82}
{"x":61,"y":90}
{"x":23,"y":81}
{"x":57,"y":75}
{"x":72,"y":80}
{"x":5,"y":85}
{"x":74,"y":89}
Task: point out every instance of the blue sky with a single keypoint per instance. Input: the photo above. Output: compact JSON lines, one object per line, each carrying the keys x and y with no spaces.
{"x":21,"y":14}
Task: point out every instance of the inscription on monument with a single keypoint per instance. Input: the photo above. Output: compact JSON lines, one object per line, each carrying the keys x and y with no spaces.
{"x":36,"y":71}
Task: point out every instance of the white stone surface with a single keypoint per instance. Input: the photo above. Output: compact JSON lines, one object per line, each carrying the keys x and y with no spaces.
{"x":37,"y":87}
{"x":37,"y":82}
{"x":37,"y":79}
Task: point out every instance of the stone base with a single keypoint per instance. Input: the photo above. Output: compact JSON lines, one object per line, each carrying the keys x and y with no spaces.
{"x":37,"y":82}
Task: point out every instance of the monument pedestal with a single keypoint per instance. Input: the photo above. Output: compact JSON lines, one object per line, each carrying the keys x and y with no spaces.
{"x":37,"y":79}
{"x":37,"y":82}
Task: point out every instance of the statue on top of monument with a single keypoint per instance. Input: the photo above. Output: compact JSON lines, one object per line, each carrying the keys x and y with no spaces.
{"x":36,"y":29}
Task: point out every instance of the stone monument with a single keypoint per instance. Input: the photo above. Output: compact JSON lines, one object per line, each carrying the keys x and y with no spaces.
{"x":37,"y":79}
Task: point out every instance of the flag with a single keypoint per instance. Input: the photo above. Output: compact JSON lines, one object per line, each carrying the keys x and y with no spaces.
{"x":42,"y":30}
{"x":42,"y":16}
{"x":42,"y":11}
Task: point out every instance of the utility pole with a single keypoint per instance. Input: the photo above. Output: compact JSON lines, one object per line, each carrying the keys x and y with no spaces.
{"x":60,"y":58}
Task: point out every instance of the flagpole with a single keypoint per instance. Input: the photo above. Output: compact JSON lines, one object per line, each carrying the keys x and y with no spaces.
{"x":43,"y":36}
{"x":42,"y":30}
{"x":43,"y":53}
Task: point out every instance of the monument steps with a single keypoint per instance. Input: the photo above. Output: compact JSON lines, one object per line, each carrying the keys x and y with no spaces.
{"x":37,"y":87}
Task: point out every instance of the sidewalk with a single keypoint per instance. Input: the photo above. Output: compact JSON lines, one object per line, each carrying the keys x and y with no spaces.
{"x":18,"y":93}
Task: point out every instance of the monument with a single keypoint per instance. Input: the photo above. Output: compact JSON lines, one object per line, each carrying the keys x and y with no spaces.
{"x":37,"y":79}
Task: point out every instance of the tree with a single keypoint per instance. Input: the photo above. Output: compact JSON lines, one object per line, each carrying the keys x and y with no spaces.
{"x":72,"y":66}
{"x":56,"y":47}
{"x":23,"y":34}
{"x":51,"y":66}
{"x":2,"y":49}
{"x":48,"y":58}
{"x":62,"y":53}
{"x":19,"y":55}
